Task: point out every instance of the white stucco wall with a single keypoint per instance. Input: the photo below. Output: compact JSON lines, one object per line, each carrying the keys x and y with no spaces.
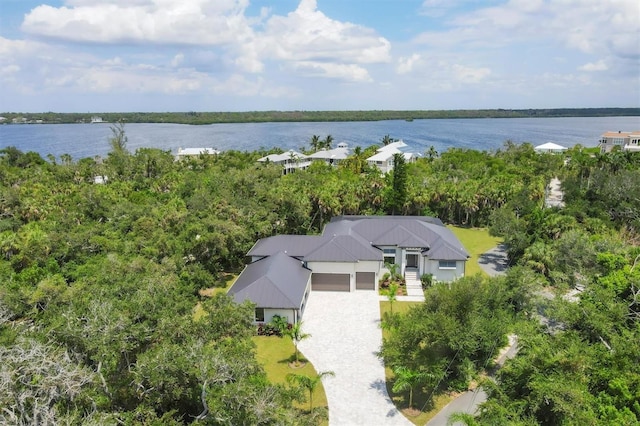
{"x":288,"y":313}
{"x":445,"y":274}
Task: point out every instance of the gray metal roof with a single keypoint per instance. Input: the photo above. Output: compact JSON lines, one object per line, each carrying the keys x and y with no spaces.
{"x":293,"y":245}
{"x":424,"y":232}
{"x":327,"y":248}
{"x":344,"y":248}
{"x":356,"y":238}
{"x":277,"y":281}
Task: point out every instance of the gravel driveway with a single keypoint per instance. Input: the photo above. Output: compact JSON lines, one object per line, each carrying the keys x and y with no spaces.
{"x":345,"y":336}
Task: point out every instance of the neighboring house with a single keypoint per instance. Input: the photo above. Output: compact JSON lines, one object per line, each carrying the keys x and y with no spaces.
{"x":95,"y":119}
{"x":195,"y":152}
{"x":550,"y":147}
{"x":331,"y":156}
{"x":350,"y":255}
{"x":629,"y":141}
{"x":290,"y":161}
{"x":383,"y":158}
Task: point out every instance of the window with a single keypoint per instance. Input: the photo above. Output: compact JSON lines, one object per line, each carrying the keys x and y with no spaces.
{"x":389,"y":255}
{"x":447,"y":264}
{"x":259,"y":314}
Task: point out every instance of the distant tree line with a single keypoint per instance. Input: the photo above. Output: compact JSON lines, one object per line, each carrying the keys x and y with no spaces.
{"x":193,"y":117}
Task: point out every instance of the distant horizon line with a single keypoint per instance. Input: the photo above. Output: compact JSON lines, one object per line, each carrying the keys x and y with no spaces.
{"x":634,"y":108}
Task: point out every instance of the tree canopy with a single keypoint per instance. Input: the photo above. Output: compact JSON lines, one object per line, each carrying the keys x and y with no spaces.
{"x":102,"y":263}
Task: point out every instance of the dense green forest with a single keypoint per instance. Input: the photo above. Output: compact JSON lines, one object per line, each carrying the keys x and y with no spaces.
{"x":310,"y":116}
{"x":100,"y":282}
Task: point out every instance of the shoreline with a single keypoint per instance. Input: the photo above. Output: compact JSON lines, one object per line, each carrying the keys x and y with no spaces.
{"x":207,"y":118}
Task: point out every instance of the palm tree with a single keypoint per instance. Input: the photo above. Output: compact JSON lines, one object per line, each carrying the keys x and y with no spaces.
{"x":386,"y":140}
{"x":407,"y":378}
{"x":392,"y":293}
{"x":296,"y":334}
{"x":432,"y":153}
{"x":309,"y":383}
{"x":327,"y":142}
{"x":315,"y":143}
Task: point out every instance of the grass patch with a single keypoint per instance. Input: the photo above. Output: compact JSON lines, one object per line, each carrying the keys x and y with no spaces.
{"x":198,"y":310}
{"x":275,"y":354}
{"x":229,"y":279}
{"x":476,"y":241}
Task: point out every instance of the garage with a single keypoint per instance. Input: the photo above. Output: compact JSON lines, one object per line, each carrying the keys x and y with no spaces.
{"x":330,"y":282}
{"x":365,"y":280}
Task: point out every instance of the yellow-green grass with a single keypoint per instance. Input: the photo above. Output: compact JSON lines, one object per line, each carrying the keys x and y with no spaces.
{"x":476,"y":241}
{"x":229,"y":279}
{"x":275,"y":355}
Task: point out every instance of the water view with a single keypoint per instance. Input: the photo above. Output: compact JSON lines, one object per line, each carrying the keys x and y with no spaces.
{"x":88,"y":140}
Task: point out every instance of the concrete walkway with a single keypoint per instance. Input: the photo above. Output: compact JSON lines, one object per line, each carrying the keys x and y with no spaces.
{"x":345,"y":337}
{"x":495,"y":261}
{"x":554,"y":196}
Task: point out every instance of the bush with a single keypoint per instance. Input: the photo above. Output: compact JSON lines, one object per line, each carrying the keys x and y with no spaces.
{"x":275,"y":327}
{"x":426,"y":280}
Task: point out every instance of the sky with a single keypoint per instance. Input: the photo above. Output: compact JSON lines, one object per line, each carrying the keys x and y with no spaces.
{"x":253,"y":55}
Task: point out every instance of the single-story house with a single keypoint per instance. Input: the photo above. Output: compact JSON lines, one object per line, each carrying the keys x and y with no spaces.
{"x":550,"y":147}
{"x":290,"y":161}
{"x":195,"y":152}
{"x":350,"y":255}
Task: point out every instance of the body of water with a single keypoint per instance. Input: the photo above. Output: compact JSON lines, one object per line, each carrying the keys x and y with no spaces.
{"x":89,"y":140}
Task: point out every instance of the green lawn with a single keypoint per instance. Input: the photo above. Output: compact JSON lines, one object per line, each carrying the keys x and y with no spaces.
{"x":275,"y":353}
{"x":476,"y":241}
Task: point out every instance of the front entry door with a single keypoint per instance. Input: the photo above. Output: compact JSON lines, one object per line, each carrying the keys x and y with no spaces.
{"x":412,"y":260}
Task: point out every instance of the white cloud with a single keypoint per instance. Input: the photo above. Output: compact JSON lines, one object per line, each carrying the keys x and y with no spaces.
{"x":406,"y":64}
{"x":469,"y":75}
{"x":348,"y":72}
{"x":177,"y":60}
{"x":601,"y":65}
{"x":305,"y":38}
{"x":198,"y":22}
{"x":590,"y":26}
{"x":306,"y":34}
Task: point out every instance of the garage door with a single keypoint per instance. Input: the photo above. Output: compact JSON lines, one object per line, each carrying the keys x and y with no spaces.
{"x":330,"y":282}
{"x":365,"y":280}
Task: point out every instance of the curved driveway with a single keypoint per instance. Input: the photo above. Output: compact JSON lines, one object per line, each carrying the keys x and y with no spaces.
{"x":345,"y":337}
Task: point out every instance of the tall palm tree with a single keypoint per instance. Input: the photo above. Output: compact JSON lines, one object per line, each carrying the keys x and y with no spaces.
{"x":328,"y":141}
{"x":407,"y":378}
{"x":309,"y":383}
{"x":297,"y":335}
{"x":386,"y":140}
{"x":315,"y":143}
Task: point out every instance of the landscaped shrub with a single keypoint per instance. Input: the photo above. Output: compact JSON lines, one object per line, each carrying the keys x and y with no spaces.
{"x":276,"y":327}
{"x":426,"y":280}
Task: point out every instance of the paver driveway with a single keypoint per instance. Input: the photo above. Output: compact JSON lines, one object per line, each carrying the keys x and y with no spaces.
{"x":345,"y":336}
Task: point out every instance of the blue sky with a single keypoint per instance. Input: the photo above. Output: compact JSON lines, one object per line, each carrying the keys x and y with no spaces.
{"x":240,"y":55}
